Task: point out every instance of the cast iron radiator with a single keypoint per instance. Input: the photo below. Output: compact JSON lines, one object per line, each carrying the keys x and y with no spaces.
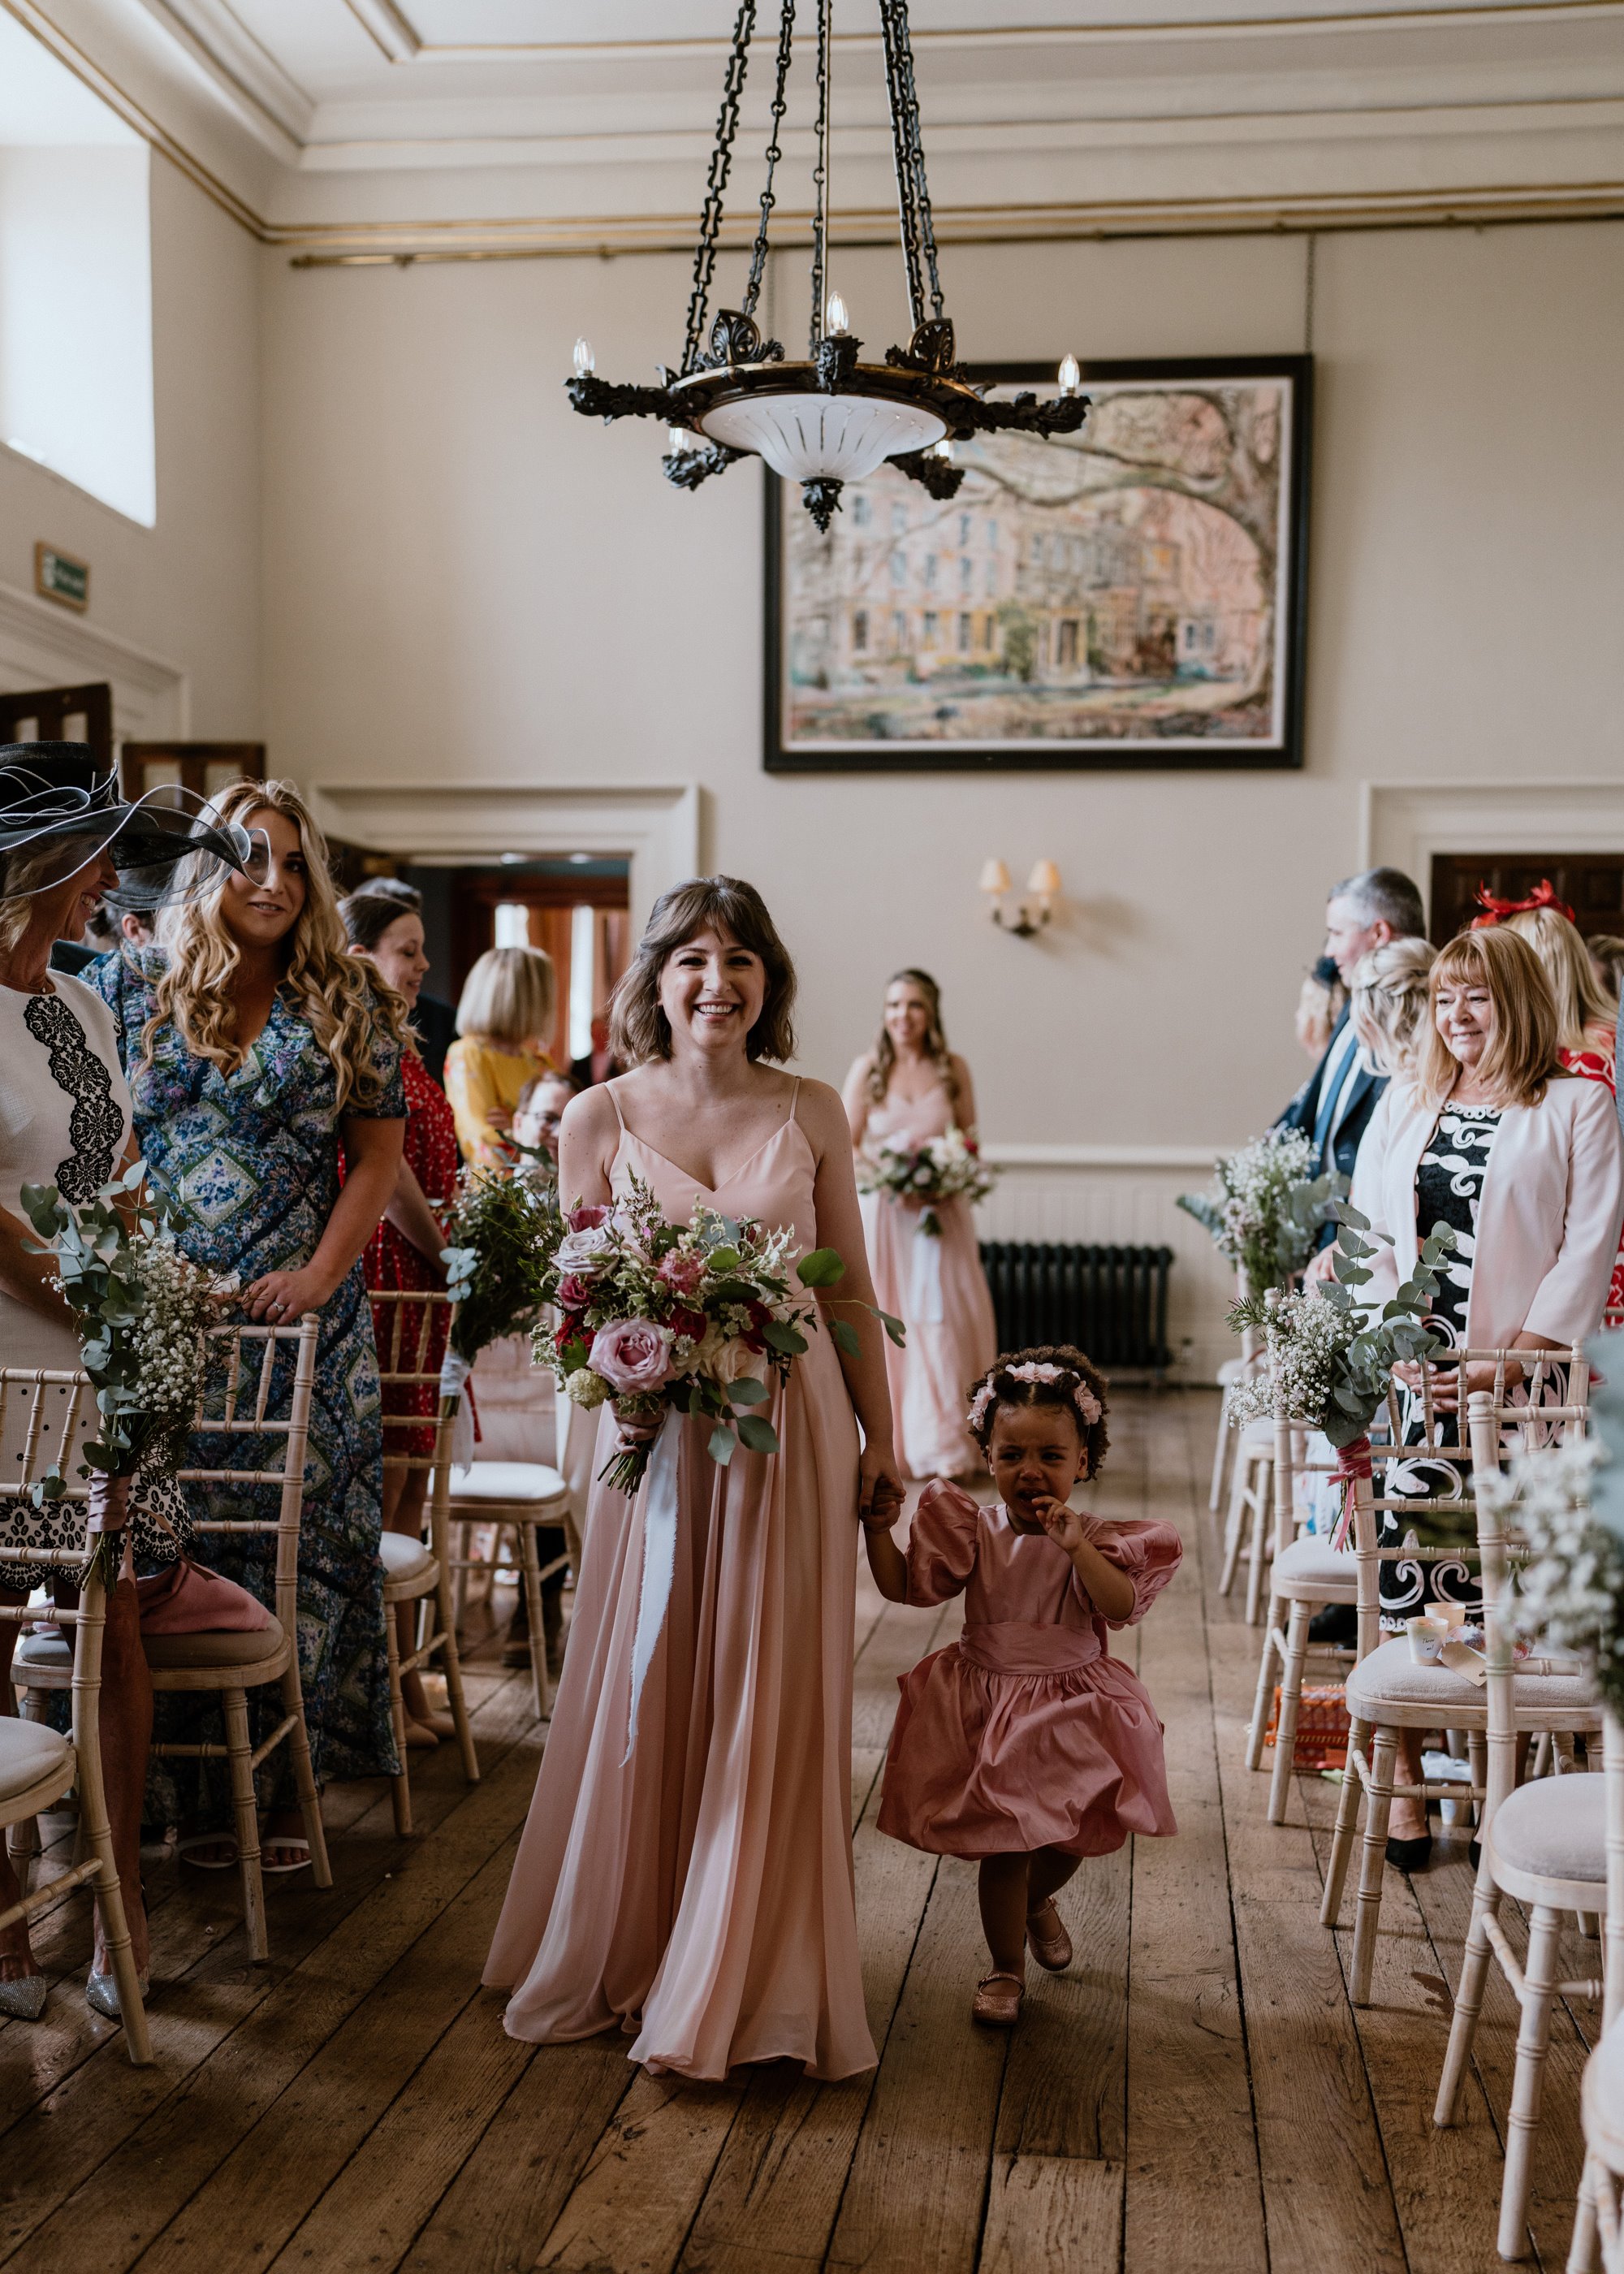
{"x":1110,"y":1302}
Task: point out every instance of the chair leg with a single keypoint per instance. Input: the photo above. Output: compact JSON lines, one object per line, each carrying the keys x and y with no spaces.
{"x":1582,"y":2249}
{"x":240,"y":1752}
{"x":460,"y":1532}
{"x":1477,"y":1761}
{"x":530,"y":1563}
{"x":1291,"y":1699}
{"x":400,"y":1783}
{"x":1266,"y":1684}
{"x":305,"y":1779}
{"x":1262,"y":1496}
{"x":1539,"y":1981}
{"x":1221,"y":1455}
{"x":1468,"y":1996}
{"x":1346,"y":1824}
{"x":1367,"y":1915}
{"x":1236,"y":1520}
{"x":454,"y":1697}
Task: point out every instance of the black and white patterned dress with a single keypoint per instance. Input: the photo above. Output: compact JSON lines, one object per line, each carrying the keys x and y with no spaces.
{"x":1448,"y":1190}
{"x":64,"y":1119}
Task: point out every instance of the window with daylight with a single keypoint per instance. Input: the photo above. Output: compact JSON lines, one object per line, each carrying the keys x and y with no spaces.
{"x":76,"y":361}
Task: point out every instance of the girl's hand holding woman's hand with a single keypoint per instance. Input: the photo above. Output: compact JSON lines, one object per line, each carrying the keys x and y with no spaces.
{"x":880,"y":1490}
{"x":281,"y":1297}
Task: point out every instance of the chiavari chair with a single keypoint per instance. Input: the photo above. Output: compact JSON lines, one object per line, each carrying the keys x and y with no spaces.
{"x":1388,"y":1692}
{"x":45,"y":1416}
{"x":242,"y":1382}
{"x":415,"y":1570}
{"x":1600,"y":2215}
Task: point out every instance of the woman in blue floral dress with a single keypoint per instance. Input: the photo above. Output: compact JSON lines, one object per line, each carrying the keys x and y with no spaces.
{"x":250,"y":1045}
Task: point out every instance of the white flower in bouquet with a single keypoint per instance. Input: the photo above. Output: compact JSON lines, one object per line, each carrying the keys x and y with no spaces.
{"x":1570,"y":1591}
{"x":1267,"y":1205}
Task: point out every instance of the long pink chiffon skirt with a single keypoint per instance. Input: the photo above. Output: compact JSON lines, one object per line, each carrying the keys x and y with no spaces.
{"x":700,"y":1897}
{"x":930,"y":1376}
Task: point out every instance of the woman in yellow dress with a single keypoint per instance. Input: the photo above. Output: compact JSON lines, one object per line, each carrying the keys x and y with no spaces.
{"x":504,"y":1025}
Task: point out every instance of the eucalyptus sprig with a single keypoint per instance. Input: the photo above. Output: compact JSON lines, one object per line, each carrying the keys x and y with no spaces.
{"x":1330,"y":1360}
{"x":1267,"y":1209}
{"x":498,"y":1236}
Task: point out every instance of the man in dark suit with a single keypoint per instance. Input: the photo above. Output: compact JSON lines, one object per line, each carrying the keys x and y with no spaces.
{"x":1335,"y":1104}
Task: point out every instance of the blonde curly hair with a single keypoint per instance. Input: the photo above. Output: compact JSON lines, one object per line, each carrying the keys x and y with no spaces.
{"x":342,"y":997}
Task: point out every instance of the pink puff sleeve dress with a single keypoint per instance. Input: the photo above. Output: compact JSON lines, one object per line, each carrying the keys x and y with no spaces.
{"x":1025,"y":1733}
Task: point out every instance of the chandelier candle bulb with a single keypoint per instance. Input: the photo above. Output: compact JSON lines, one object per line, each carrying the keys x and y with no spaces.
{"x":584,"y":359}
{"x":838,"y":322}
{"x":1071,"y":374}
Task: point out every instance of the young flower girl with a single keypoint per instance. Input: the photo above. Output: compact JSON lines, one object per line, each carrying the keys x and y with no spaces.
{"x":1024,"y":1743}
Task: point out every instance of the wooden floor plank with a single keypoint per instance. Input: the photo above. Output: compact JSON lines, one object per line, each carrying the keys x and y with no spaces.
{"x":1192,"y":2137}
{"x":1054,"y":2212}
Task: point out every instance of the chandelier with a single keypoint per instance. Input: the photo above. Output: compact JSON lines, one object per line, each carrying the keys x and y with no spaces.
{"x":832,"y":418}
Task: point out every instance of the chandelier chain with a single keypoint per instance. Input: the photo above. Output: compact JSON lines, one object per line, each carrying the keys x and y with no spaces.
{"x":716,"y":184}
{"x":758,"y":257}
{"x":820,"y":182}
{"x":907,"y":212}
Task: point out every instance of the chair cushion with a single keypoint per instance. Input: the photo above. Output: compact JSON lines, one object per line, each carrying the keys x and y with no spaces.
{"x":1233,"y":1369}
{"x":1389,"y":1675}
{"x":1603,"y":2096}
{"x":1556,"y":1828}
{"x":28,"y":1751}
{"x":1256,"y":1437}
{"x":49,"y":1653}
{"x":508,"y":1484}
{"x":1311,"y":1567}
{"x":403,"y":1557}
{"x":178,"y":1652}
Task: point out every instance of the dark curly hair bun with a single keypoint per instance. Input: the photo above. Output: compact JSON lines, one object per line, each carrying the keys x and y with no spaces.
{"x":1002,"y":1385}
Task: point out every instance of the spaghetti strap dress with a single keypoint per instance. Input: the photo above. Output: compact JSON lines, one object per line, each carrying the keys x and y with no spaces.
{"x":936,"y":1285}
{"x":699,"y":1896}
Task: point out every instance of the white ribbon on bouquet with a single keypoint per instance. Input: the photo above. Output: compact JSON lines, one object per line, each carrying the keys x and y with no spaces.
{"x":657,"y":1493}
{"x":925,"y":1302}
{"x":453,"y":1372}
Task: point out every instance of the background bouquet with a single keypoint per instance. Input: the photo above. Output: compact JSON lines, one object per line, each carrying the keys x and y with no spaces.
{"x":942,"y":1169}
{"x":1266,"y":1205}
{"x":687,"y":1318}
{"x":501,"y":1231}
{"x":140,"y":1306}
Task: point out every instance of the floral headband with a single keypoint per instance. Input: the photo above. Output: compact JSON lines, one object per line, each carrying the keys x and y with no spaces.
{"x":1035,"y":1370}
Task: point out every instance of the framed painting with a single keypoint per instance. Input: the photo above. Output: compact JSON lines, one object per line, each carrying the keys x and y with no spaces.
{"x":1130,"y":595}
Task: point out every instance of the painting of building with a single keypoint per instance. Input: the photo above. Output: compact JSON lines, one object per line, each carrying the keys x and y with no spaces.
{"x":1132,"y":594}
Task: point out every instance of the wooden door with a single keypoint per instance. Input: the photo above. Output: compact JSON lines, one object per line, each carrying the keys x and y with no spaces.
{"x":62,"y":715}
{"x":209,"y":768}
{"x":1592,"y":884}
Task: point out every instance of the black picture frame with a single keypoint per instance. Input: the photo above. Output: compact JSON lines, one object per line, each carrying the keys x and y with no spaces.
{"x":1285,"y":752}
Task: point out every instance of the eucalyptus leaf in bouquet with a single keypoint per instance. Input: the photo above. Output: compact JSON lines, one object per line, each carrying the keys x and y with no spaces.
{"x":1330,"y":1361}
{"x":498,"y":1235}
{"x":1268,"y":1206}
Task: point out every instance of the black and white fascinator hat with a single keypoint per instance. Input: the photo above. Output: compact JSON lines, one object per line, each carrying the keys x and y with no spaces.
{"x":58,"y":812}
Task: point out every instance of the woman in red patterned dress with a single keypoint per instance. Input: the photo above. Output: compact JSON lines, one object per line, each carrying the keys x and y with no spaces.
{"x":405,"y":1251}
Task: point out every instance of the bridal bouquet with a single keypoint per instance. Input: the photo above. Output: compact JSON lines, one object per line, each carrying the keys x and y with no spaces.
{"x":1329,"y":1362}
{"x":940,"y":1168}
{"x":140,"y":1306}
{"x":691,"y":1318}
{"x":1266,"y":1207}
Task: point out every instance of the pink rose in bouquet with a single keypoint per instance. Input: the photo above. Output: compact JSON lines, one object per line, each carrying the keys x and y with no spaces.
{"x":633,"y":1356}
{"x":587,"y":1219}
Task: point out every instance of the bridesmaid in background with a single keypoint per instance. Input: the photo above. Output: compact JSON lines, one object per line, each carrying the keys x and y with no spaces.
{"x":910,"y":1088}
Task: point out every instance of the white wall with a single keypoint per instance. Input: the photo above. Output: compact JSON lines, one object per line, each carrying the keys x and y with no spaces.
{"x":464,"y":581}
{"x":187,"y":588}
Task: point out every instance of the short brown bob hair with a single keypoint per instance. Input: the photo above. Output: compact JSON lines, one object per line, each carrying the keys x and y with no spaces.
{"x":1522,"y":1055}
{"x":640,"y":1030}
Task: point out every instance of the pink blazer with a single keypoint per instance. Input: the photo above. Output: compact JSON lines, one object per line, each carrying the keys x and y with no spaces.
{"x":1548,"y":1221}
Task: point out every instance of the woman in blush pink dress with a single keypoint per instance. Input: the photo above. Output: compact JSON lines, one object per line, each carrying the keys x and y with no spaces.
{"x":1024,"y":1743}
{"x":910,"y":1087}
{"x":698,"y":1895}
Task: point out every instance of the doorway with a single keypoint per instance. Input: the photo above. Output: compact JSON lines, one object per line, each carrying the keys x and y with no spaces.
{"x":575,"y":908}
{"x":1591,"y":884}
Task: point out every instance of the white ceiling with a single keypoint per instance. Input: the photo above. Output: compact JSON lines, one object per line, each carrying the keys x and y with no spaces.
{"x":408,"y":122}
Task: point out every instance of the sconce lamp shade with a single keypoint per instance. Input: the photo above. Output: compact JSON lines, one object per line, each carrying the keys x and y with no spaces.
{"x":1044,"y":879}
{"x":994,"y":877}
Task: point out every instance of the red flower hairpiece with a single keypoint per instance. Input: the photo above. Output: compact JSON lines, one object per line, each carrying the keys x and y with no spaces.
{"x":1495,"y":912}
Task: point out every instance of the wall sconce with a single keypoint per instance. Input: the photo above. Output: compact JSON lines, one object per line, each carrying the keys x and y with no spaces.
{"x":1036,"y":906}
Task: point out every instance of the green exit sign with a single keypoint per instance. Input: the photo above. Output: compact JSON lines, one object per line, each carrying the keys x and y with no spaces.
{"x":59,"y":578}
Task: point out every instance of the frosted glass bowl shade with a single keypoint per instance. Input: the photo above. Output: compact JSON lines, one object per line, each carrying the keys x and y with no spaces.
{"x":828,"y":437}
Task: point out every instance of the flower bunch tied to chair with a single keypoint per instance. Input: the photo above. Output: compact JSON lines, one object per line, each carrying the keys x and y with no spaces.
{"x":140,"y":1306}
{"x":1329,"y":1361}
{"x":499,"y":1233}
{"x":1266,"y":1207}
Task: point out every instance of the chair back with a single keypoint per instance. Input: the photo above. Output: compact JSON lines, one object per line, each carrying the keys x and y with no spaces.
{"x":240,"y":1388}
{"x":46,"y":1419}
{"x":410,"y":1324}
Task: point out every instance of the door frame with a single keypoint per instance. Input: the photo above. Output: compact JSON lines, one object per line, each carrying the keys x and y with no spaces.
{"x":1404,"y":824}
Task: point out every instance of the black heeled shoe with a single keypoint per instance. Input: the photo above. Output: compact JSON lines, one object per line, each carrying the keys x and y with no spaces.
{"x":1410,"y":1854}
